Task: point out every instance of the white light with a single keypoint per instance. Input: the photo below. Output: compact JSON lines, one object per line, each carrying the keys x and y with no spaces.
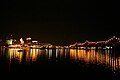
{"x":21,"y":41}
{"x":34,"y":41}
{"x":9,"y":41}
{"x":28,"y":38}
{"x":108,"y":47}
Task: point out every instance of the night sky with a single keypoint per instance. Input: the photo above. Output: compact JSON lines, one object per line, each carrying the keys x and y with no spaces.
{"x":60,"y":21}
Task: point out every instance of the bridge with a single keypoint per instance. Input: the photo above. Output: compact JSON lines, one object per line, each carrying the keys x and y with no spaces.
{"x":111,"y":43}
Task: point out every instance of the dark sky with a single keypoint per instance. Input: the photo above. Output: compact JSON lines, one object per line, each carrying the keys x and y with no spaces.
{"x":60,"y":21}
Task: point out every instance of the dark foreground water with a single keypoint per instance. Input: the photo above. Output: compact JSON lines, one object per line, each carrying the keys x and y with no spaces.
{"x":40,"y":64}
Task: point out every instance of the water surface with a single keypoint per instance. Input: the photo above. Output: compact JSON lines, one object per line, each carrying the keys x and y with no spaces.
{"x":61,"y":63}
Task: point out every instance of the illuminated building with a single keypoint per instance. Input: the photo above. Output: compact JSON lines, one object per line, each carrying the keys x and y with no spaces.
{"x":28,"y":40}
{"x":14,"y":41}
{"x":21,"y":41}
{"x":34,"y":42}
{"x":10,"y":42}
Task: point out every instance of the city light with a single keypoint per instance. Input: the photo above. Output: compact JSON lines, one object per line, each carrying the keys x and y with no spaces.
{"x":29,"y":43}
{"x":34,"y":41}
{"x":21,"y":41}
{"x":28,"y":38}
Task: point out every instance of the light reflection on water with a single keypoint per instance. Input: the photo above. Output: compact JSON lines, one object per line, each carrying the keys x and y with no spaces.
{"x":14,"y":54}
{"x":104,"y":57}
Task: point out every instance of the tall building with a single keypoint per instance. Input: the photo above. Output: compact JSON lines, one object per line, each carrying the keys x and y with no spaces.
{"x":28,"y":40}
{"x":21,"y":41}
{"x":10,"y":42}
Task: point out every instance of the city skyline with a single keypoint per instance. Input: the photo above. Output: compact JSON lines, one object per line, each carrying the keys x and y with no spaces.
{"x":60,"y":22}
{"x":24,"y":40}
{"x":60,"y":39}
